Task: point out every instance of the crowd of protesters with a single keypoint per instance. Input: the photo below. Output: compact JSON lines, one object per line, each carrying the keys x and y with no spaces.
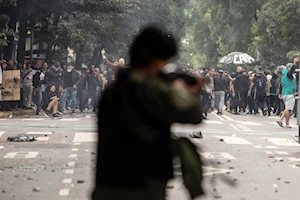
{"x":54,"y":89}
{"x":254,"y":92}
{"x":57,"y":89}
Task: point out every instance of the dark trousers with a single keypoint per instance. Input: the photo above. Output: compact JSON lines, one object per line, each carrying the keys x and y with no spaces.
{"x":250,"y":103}
{"x":206,"y":101}
{"x":243,"y":100}
{"x":259,"y":101}
{"x":235,"y":102}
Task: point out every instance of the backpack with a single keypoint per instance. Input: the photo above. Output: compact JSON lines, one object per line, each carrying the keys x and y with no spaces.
{"x":260,"y":83}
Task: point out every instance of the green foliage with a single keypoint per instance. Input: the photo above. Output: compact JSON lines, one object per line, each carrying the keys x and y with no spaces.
{"x":266,"y":30}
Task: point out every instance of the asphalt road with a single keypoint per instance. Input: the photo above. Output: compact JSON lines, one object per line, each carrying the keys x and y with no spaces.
{"x":246,"y":157}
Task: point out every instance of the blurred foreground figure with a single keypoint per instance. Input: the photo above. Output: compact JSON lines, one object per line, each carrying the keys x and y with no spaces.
{"x":135,"y":116}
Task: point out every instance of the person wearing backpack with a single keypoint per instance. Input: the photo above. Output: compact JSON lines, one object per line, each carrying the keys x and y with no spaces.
{"x":259,"y":85}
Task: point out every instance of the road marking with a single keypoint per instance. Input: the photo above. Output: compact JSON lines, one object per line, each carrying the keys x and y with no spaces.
{"x":217,"y":155}
{"x":234,"y":127}
{"x":64,"y":192}
{"x":248,"y":123}
{"x":275,"y":123}
{"x":1,"y":133}
{"x":39,"y":133}
{"x":258,"y":147}
{"x":234,"y":140}
{"x":67,"y":181}
{"x":209,"y":171}
{"x":85,"y":137}
{"x":294,"y":159}
{"x":70,"y":119}
{"x":271,"y":147}
{"x":220,"y":118}
{"x":73,"y":156}
{"x":228,"y":118}
{"x":243,"y":127}
{"x":74,"y":149}
{"x":282,"y":142}
{"x":282,"y":152}
{"x":37,"y":119}
{"x":42,"y":138}
{"x":212,"y":122}
{"x":71,"y":164}
{"x":269,"y":152}
{"x":21,"y":154}
{"x":69,"y":171}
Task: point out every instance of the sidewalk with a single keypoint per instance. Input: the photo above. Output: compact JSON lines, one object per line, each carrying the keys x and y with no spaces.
{"x":7,"y":114}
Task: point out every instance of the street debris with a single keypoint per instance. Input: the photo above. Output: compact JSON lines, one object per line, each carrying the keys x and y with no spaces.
{"x":197,"y":135}
{"x":80,"y":181}
{"x":218,"y":197}
{"x":22,"y":138}
{"x":29,"y":179}
{"x":37,"y":189}
{"x":287,"y":182}
{"x":221,"y":140}
{"x":3,"y":191}
{"x":93,"y":153}
{"x":1,"y":147}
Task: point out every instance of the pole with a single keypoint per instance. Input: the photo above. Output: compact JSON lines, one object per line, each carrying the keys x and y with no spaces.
{"x":31,"y":46}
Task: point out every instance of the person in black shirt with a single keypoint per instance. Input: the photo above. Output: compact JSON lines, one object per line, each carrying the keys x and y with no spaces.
{"x":70,"y":80}
{"x":243,"y":84}
{"x":259,"y":85}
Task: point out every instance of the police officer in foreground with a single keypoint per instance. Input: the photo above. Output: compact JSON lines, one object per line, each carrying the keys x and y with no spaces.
{"x":135,"y":116}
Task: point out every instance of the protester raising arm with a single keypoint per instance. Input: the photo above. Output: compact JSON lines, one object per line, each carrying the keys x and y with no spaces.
{"x":106,"y":61}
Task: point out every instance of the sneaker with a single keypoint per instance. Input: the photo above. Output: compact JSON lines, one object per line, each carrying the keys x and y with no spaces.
{"x":204,"y":117}
{"x":280,"y":123}
{"x":196,"y":135}
{"x":47,"y":113}
{"x":288,"y":126}
{"x":60,"y":113}
{"x":265,"y":112}
{"x":55,"y":115}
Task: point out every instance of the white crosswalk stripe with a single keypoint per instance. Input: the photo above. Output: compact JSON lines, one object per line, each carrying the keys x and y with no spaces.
{"x":1,"y":133}
{"x":86,"y":137}
{"x":228,"y":118}
{"x":282,"y":142}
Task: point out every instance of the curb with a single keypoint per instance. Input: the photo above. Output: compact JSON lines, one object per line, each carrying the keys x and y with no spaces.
{"x":16,"y":113}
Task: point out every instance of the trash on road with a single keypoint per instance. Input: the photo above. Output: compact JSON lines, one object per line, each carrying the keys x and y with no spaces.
{"x":1,"y":147}
{"x":37,"y":189}
{"x":221,"y":140}
{"x":22,"y":138}
{"x":80,"y":181}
